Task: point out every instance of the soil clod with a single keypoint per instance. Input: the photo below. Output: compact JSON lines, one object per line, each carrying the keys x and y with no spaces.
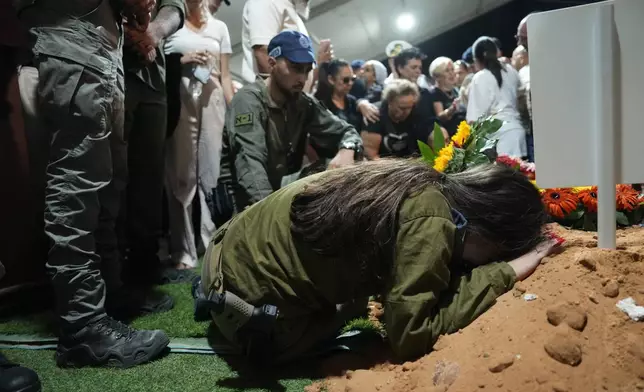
{"x":611,"y":289}
{"x":501,"y":364}
{"x":564,"y":348}
{"x":571,"y":315}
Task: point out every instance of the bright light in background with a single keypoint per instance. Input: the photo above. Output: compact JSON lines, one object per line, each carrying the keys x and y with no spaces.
{"x":405,"y":22}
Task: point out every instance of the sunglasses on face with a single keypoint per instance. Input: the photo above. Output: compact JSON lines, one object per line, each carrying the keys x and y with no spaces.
{"x":349,"y":79}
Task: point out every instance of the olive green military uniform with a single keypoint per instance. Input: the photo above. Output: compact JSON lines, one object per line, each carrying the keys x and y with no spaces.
{"x":264,"y":143}
{"x":255,"y":257}
{"x":145,"y":132}
{"x":80,"y":94}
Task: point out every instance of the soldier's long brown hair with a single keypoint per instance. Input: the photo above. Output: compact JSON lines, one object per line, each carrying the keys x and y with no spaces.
{"x":352,"y":213}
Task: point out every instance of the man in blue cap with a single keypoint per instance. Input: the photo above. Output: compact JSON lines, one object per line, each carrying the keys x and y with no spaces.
{"x":359,"y":89}
{"x":267,"y":127}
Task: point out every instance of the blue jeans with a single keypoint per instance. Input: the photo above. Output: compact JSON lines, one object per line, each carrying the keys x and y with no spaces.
{"x":529,"y":138}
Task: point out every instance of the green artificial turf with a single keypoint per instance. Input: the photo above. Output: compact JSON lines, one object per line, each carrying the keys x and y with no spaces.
{"x":177,"y":323}
{"x":174,"y":372}
{"x":365,"y":325}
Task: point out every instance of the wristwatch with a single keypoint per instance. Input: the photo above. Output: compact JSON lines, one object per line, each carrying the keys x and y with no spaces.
{"x":353,"y":146}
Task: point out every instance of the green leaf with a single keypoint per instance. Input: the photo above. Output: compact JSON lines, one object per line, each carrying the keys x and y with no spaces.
{"x":575,"y":215}
{"x":622,"y":219}
{"x":426,"y":152}
{"x":439,"y":139}
{"x":476,"y":159}
{"x":639,"y":215}
{"x":457,"y":163}
{"x":489,"y":127}
{"x":590,"y":221}
{"x":577,"y":225}
{"x":486,"y":144}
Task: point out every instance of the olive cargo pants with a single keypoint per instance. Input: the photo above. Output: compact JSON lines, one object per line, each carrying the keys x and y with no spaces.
{"x":292,"y":337}
{"x":78,"y":97}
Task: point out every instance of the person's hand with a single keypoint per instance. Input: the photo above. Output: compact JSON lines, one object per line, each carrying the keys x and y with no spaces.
{"x":525,"y":265}
{"x":325,"y":51}
{"x":142,"y":42}
{"x":138,"y":13}
{"x":200,"y":57}
{"x":344,"y":157}
{"x":449,"y":112}
{"x":369,"y":111}
{"x":138,"y":6}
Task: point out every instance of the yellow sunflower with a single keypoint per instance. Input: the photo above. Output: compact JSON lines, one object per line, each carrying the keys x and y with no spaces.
{"x":444,"y":156}
{"x":462,"y":134}
{"x":579,"y":189}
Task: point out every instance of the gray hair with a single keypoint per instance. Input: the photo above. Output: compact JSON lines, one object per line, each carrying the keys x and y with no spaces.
{"x":400,"y":88}
{"x":437,"y":67}
{"x":519,"y":50}
{"x":379,"y":70}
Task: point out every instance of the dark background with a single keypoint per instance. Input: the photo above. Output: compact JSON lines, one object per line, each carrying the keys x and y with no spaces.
{"x":501,"y":23}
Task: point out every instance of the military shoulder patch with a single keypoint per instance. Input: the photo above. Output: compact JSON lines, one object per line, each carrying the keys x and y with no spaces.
{"x":243,"y":119}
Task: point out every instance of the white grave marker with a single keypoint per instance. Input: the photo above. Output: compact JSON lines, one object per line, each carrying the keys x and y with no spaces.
{"x":587,"y":81}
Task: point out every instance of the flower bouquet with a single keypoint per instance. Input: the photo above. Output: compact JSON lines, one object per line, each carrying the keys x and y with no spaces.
{"x":470,"y":146}
{"x":571,"y":207}
{"x":577,"y":207}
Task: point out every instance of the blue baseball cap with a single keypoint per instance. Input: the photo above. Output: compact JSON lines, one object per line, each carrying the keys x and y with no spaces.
{"x":468,"y":55}
{"x":357,"y":64}
{"x":293,"y":45}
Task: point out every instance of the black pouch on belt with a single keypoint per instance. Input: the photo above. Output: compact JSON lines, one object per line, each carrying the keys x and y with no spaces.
{"x":253,"y":325}
{"x":221,"y":204}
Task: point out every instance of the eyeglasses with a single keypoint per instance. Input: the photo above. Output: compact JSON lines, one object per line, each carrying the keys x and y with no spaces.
{"x":349,"y":79}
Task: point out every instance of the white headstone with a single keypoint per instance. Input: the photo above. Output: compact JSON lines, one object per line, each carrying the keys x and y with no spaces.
{"x":587,"y":81}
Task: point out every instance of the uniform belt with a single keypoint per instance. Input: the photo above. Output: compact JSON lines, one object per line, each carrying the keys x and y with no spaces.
{"x":242,"y":324}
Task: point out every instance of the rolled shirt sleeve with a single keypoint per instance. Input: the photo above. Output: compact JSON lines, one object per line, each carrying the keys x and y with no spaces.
{"x":179,"y":4}
{"x":424,"y":301}
{"x":226,"y":47}
{"x":264,"y":21}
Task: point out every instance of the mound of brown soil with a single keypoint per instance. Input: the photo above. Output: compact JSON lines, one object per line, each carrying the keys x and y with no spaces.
{"x":571,"y":338}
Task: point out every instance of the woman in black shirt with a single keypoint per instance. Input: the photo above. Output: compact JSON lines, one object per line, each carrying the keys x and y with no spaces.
{"x":401,"y":124}
{"x":444,"y":95}
{"x":335,"y":81}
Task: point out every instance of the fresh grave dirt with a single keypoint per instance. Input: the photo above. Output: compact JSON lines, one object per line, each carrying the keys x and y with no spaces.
{"x":570,"y":338}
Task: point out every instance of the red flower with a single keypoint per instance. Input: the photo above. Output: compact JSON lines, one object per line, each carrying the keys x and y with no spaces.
{"x":508,"y":161}
{"x":559,"y":202}
{"x":627,"y":198}
{"x":588,"y":198}
{"x":530,"y":174}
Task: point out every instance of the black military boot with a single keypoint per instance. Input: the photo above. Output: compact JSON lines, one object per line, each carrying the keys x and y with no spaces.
{"x":108,"y":342}
{"x":15,"y":378}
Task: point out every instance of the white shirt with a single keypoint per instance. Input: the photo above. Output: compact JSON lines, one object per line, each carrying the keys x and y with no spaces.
{"x":213,"y":37}
{"x":524,"y":77}
{"x":261,"y":21}
{"x":486,"y":98}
